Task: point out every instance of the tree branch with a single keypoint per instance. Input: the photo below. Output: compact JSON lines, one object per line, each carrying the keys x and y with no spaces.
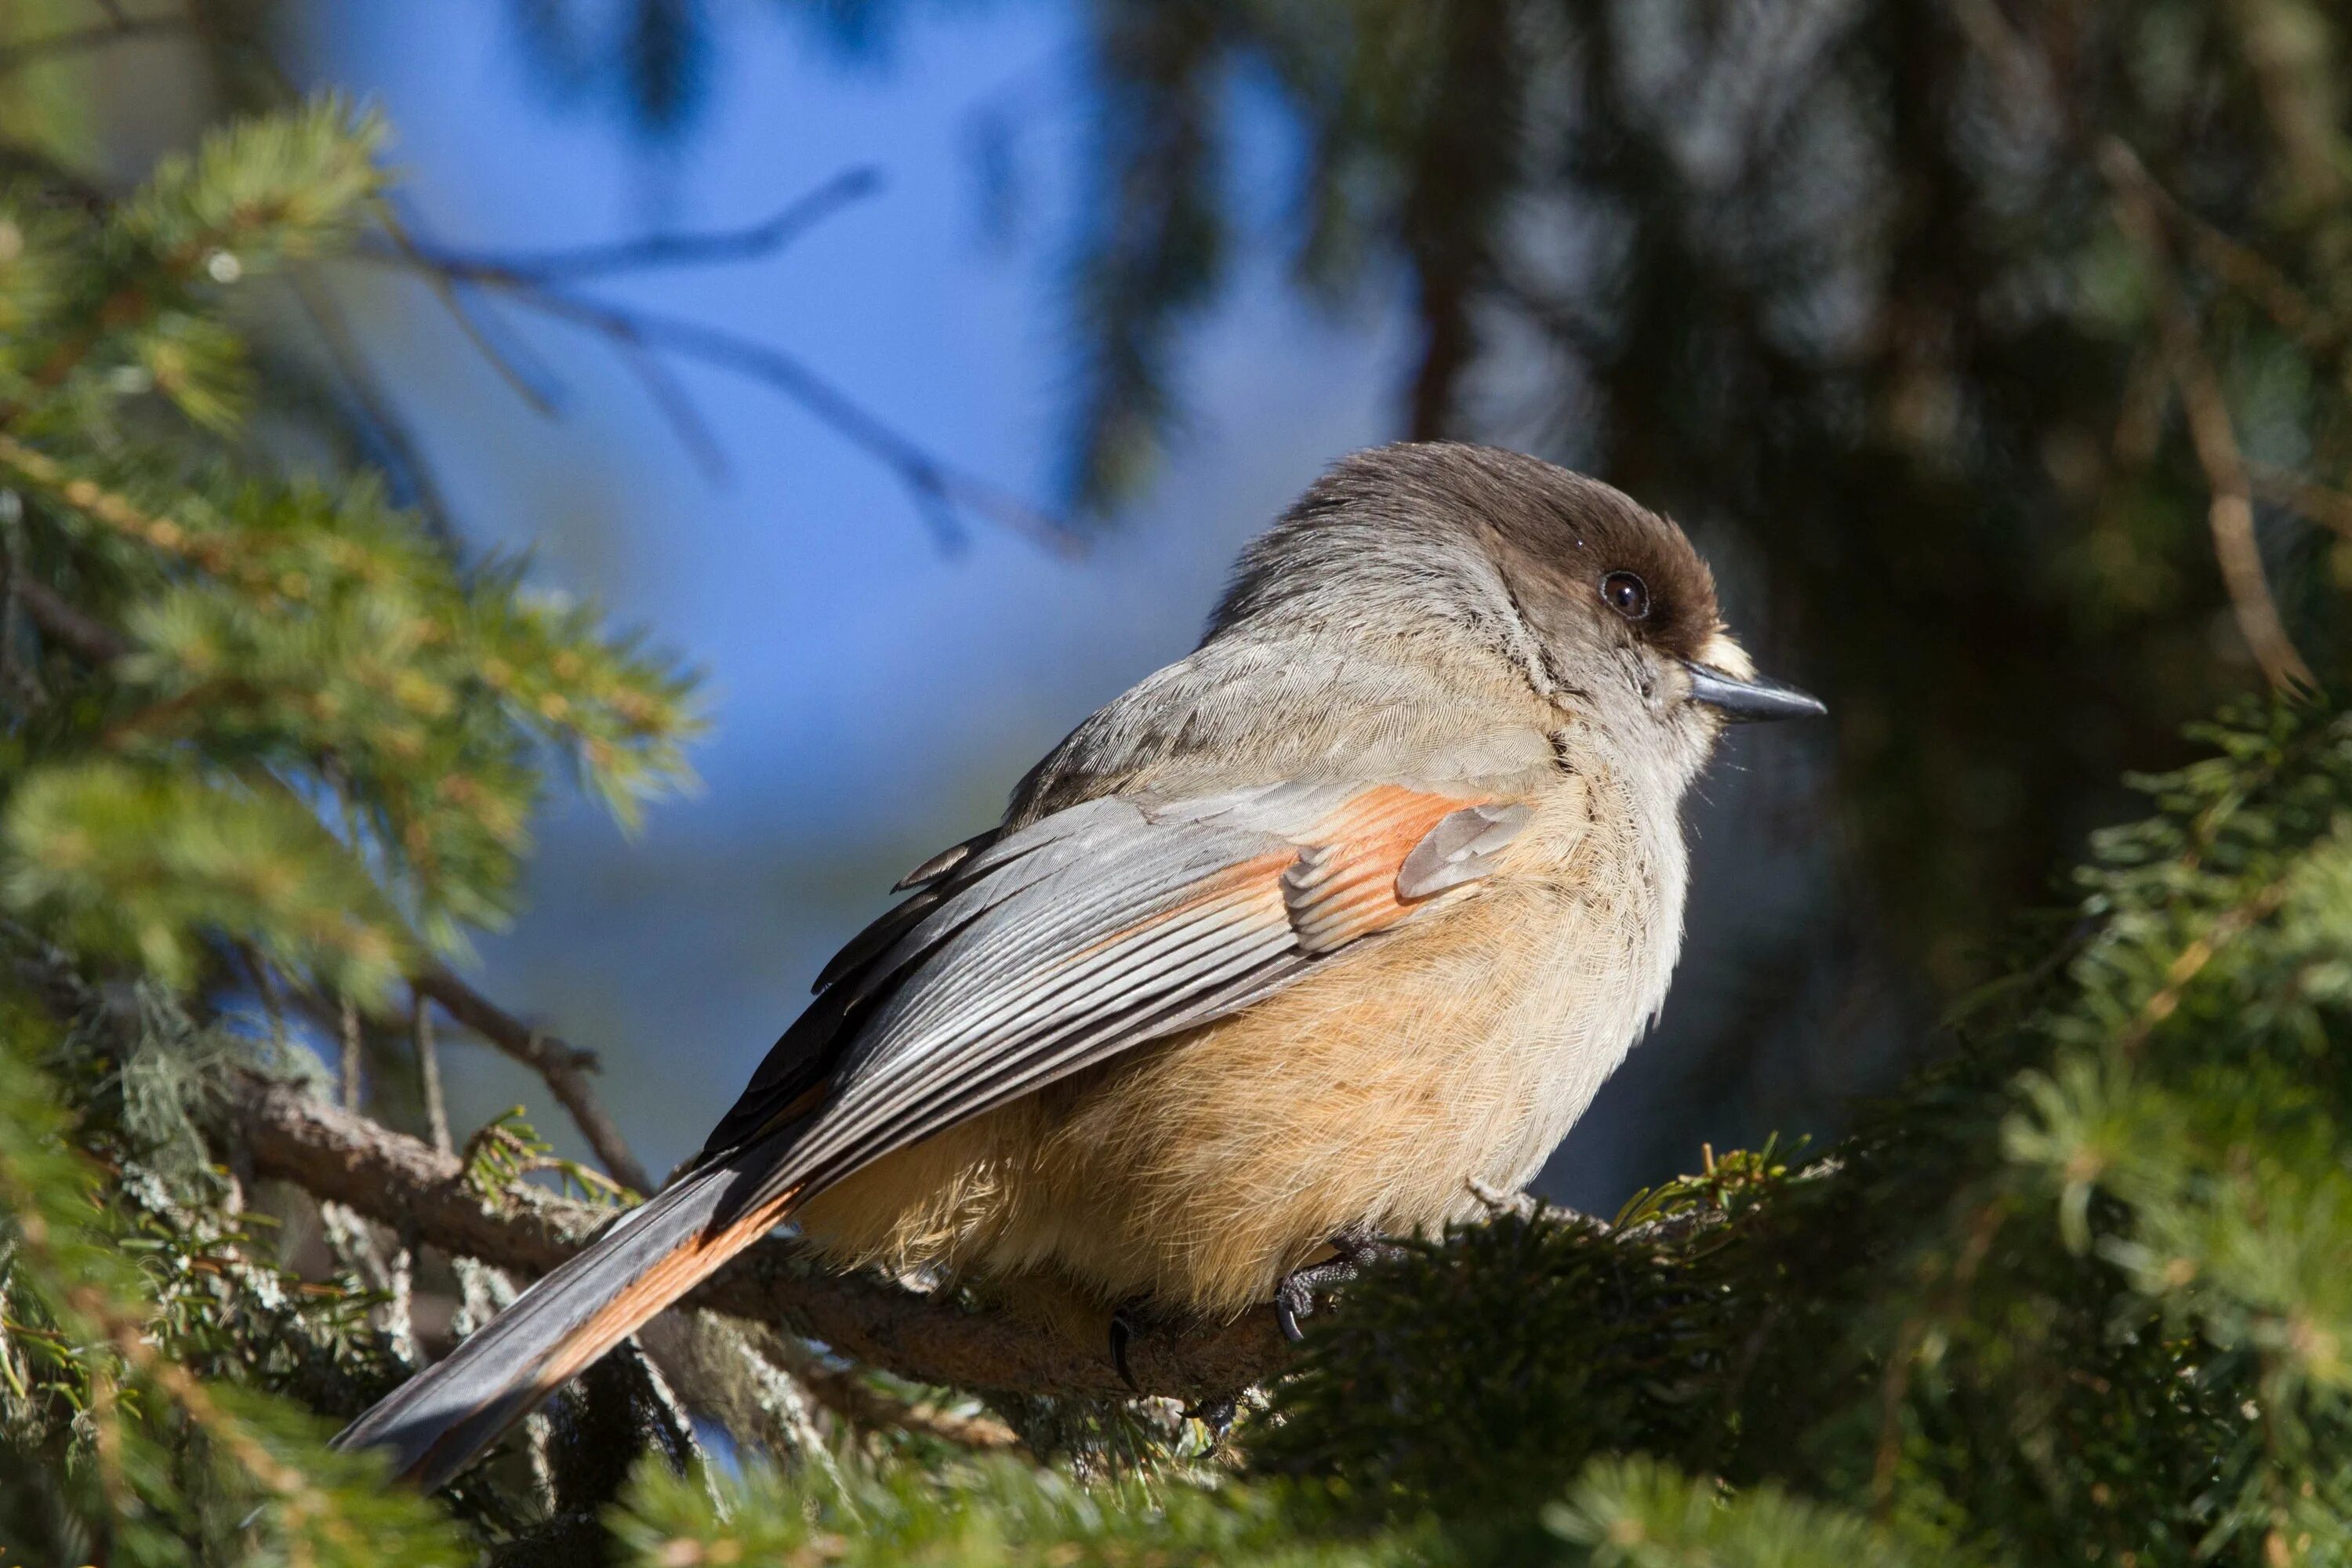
{"x":348,"y":1159}
{"x":2211,"y":430}
{"x":2321,"y":503}
{"x":61,"y":622}
{"x":939,"y":488}
{"x":773,"y":234}
{"x":564,"y":1068}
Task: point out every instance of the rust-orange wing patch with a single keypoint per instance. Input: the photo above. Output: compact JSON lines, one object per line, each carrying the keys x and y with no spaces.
{"x":1345,"y":883}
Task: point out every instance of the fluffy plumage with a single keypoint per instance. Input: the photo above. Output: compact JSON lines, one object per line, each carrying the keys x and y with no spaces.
{"x":1357,"y":902}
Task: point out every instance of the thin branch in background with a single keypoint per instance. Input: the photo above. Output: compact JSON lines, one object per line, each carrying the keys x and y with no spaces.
{"x":428,"y":1071}
{"x":931,"y":483}
{"x":378,"y":422}
{"x":677,"y":405}
{"x":2292,"y":83}
{"x":2322,"y":504}
{"x":118,"y":29}
{"x":58,"y":620}
{"x":2211,"y":431}
{"x":564,"y":1068}
{"x":347,"y":1076}
{"x":537,"y":392}
{"x":753,"y":242}
{"x":2231,"y":260}
{"x":941,"y":491}
{"x":2024,"y":75}
{"x":2231,"y":516}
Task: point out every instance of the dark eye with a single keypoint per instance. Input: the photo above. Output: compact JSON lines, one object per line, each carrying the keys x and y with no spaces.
{"x":1626,"y":593}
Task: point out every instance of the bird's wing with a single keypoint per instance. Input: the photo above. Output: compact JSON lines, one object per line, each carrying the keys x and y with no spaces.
{"x":1044,"y":950}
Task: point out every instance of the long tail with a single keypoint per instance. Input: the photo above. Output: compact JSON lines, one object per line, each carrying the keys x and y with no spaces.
{"x":435,"y":1424}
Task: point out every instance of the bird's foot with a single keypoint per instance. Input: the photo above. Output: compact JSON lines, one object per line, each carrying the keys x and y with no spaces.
{"x":1295,"y":1296}
{"x":1216,"y":1415}
{"x":1124,"y":1322}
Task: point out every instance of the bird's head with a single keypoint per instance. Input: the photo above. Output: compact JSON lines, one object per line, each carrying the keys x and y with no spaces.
{"x":1603,"y":605}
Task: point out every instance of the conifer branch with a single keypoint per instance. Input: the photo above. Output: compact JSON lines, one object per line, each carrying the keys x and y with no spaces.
{"x":564,"y":1068}
{"x":400,"y":1180}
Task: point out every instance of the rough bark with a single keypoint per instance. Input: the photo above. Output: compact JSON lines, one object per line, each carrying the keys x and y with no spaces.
{"x":404,"y":1182}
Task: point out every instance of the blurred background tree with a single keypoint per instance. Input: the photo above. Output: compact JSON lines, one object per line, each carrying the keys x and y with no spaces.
{"x":1998,"y":354}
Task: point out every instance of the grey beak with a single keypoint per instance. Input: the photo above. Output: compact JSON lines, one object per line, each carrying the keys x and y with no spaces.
{"x":1742,"y":701}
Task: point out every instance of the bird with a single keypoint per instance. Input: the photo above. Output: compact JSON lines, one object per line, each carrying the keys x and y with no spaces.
{"x":1302,"y":942}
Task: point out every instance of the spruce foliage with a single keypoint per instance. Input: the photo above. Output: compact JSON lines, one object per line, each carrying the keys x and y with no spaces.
{"x":266,"y":740}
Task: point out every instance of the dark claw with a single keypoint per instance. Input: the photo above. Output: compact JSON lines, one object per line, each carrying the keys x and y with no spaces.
{"x":1217,"y":1414}
{"x":1122,"y":1330}
{"x":1289,"y":1297}
{"x":1295,"y":1296}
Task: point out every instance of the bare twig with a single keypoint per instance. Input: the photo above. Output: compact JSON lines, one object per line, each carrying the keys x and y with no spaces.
{"x":379,"y":422}
{"x":564,"y":1068}
{"x":671,"y":396}
{"x":59,"y":621}
{"x":2211,"y":431}
{"x":858,"y":1401}
{"x":501,"y":358}
{"x":347,"y":1064}
{"x":348,"y":1159}
{"x":759,"y":240}
{"x":2323,"y":504}
{"x":2291,"y":77}
{"x":428,"y":1071}
{"x":2023,"y":73}
{"x":2231,"y":260}
{"x":2232,"y":514}
{"x":937,"y":489}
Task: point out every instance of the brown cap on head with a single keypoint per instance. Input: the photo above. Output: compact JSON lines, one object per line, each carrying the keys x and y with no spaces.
{"x":1555,"y":534}
{"x":1551,"y":568}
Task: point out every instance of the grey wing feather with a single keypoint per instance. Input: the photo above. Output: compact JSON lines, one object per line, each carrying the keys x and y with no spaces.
{"x":1460,"y":848}
{"x":946,"y":861}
